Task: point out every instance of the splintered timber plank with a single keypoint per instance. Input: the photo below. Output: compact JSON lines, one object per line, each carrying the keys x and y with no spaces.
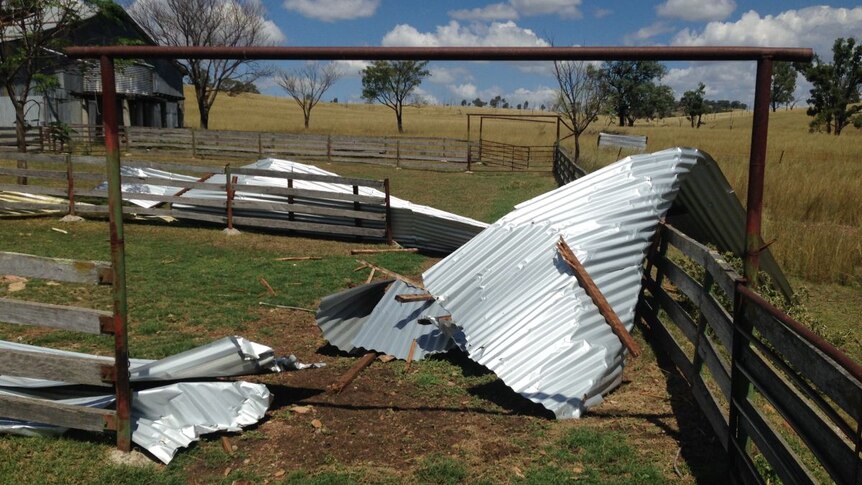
{"x":389,"y":273}
{"x":47,"y":412}
{"x":352,"y":373}
{"x":53,"y":316}
{"x":598,"y":298}
{"x":410,"y":297}
{"x":66,"y":270}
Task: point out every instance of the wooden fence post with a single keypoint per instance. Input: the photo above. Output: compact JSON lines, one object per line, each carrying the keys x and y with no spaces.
{"x":328,"y":148}
{"x":290,"y":215}
{"x":194,"y":145}
{"x":228,"y":185}
{"x":357,"y":207}
{"x":389,"y":239}
{"x":41,"y":139}
{"x":70,"y":184}
{"x":397,"y":153}
{"x":469,"y":156}
{"x":260,"y":145}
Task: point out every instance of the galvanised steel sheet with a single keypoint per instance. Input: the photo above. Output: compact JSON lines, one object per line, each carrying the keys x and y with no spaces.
{"x":521,"y":309}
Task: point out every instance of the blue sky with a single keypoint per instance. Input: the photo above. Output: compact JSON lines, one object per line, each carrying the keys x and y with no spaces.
{"x":564,"y":22}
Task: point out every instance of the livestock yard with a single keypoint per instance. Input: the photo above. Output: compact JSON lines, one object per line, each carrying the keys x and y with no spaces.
{"x":445,"y":418}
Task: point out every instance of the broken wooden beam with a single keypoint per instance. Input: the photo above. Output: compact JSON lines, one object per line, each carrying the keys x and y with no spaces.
{"x":287,"y":307}
{"x":267,"y":286}
{"x":300,"y":258}
{"x":598,"y":298}
{"x":410,"y":354}
{"x":391,"y":274}
{"x":352,"y":373}
{"x":408,"y":298}
{"x":387,"y":250}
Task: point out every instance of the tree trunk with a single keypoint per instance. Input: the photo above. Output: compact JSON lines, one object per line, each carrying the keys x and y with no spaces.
{"x":577,"y":147}
{"x":622,"y":118}
{"x":306,"y":116}
{"x":204,"y":111}
{"x":400,"y":124}
{"x":20,"y":136}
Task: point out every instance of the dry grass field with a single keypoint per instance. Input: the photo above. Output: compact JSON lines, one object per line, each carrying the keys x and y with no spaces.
{"x":814,"y":181}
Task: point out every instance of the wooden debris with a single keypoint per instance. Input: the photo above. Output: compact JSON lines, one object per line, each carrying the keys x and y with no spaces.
{"x":316,"y":424}
{"x":351,"y":374}
{"x":391,"y":274}
{"x":287,"y":307}
{"x":408,"y":298}
{"x":300,"y":258}
{"x":387,"y":250}
{"x":370,"y":276}
{"x":598,"y":298}
{"x":226,"y":446}
{"x":301,"y":409}
{"x":61,"y":231}
{"x":410,"y":354}
{"x":386,"y":358}
{"x":266,"y":285}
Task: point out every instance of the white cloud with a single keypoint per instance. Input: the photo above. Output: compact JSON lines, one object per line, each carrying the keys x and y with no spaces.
{"x":815,"y":27}
{"x":494,"y":11}
{"x":601,"y":13}
{"x":333,"y":10}
{"x":697,"y":10}
{"x":514,"y":9}
{"x":496,"y":34}
{"x":424,"y":97}
{"x":646,"y":33}
{"x":449,"y":75}
{"x":276,"y":36}
{"x":351,"y":68}
{"x":536,"y":97}
{"x":466,"y":91}
{"x":724,"y":80}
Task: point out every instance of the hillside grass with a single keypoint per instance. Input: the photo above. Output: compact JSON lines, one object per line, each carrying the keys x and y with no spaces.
{"x":813,"y":199}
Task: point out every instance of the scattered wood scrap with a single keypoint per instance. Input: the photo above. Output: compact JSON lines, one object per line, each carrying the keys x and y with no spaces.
{"x":598,"y":298}
{"x":267,"y":286}
{"x":287,"y":307}
{"x":391,"y":274}
{"x":351,"y":374}
{"x":410,"y":354}
{"x":408,"y":298}
{"x":300,"y":258}
{"x":370,"y":276}
{"x":386,"y":250}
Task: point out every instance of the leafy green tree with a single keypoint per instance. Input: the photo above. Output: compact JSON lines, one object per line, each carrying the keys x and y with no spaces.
{"x":783,"y":84}
{"x":657,"y":101}
{"x":478,"y":102}
{"x":835,"y":88}
{"x":31,"y":32}
{"x":693,"y":105}
{"x":631,"y":83}
{"x":392,"y":82}
{"x":233,"y":87}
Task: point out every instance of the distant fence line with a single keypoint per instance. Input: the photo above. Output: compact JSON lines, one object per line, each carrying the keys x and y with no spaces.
{"x":352,"y":214}
{"x":404,"y":152}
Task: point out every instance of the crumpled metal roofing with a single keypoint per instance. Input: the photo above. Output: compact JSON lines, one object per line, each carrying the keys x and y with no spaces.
{"x":166,"y":418}
{"x":367,"y":318}
{"x":413,"y":225}
{"x":522,"y":312}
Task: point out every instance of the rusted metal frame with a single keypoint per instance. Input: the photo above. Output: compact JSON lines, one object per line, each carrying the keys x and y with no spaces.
{"x":389,"y":238}
{"x":666,"y":53}
{"x":118,"y":256}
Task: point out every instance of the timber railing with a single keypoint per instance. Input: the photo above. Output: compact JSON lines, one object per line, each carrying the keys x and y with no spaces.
{"x":782,"y":401}
{"x":24,"y":361}
{"x":564,"y":168}
{"x":350,"y":210}
{"x":447,"y":154}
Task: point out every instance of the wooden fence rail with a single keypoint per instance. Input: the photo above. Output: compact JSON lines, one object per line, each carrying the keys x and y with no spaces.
{"x":345,"y":212}
{"x":771,"y":390}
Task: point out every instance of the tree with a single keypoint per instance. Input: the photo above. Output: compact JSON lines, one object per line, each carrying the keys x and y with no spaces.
{"x":31,"y":31}
{"x":234,"y":88}
{"x":835,"y":88}
{"x":783,"y":84}
{"x":657,"y":101}
{"x":526,"y":105}
{"x":463,"y":102}
{"x":391,"y":82}
{"x":229,"y":23}
{"x":630,"y":84}
{"x":582,"y":94}
{"x":693,"y":105}
{"x":307,"y":84}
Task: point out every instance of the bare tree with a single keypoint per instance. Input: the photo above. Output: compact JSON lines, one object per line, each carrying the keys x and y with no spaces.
{"x":307,"y":84}
{"x":230,"y":23}
{"x":582,"y":95}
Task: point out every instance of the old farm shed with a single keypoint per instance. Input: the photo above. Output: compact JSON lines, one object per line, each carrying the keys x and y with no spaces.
{"x":148,"y":93}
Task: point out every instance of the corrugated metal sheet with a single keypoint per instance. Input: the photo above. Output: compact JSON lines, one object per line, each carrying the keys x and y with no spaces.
{"x":393,"y":325}
{"x":638,"y":142}
{"x":522,"y":311}
{"x":341,"y":315}
{"x":166,"y":418}
{"x":413,"y":225}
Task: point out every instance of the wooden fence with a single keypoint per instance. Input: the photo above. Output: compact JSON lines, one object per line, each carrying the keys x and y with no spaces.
{"x":318,"y":211}
{"x":564,"y":168}
{"x":72,"y":369}
{"x":782,"y":402}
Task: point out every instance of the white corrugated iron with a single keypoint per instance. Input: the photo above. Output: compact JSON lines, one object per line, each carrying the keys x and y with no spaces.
{"x":637,"y":142}
{"x":522,"y":312}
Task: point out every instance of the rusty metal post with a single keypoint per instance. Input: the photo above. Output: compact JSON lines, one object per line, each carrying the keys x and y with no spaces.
{"x":70,"y":184}
{"x":756,"y":171}
{"x":389,"y":239}
{"x":118,"y":256}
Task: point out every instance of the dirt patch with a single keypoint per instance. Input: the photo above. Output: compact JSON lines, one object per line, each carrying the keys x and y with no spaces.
{"x":388,"y":420}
